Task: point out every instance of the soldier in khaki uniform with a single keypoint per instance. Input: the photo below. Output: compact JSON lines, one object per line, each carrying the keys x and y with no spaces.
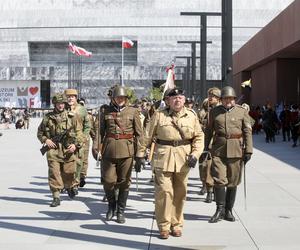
{"x":229,"y":127}
{"x":61,"y":155}
{"x":179,"y":143}
{"x":86,"y":151}
{"x":121,"y":136}
{"x":81,"y":112}
{"x":213,"y":100}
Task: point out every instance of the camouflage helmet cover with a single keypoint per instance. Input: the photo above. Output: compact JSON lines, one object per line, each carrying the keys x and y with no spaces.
{"x":227,"y":92}
{"x":59,"y":98}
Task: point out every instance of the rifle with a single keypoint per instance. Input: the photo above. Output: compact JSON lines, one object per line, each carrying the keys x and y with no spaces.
{"x":56,"y":139}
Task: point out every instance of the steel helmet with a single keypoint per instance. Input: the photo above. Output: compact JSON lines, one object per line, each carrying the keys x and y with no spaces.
{"x":228,"y":92}
{"x":119,"y":91}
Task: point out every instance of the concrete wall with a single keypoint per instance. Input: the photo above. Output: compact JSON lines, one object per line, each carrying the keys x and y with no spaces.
{"x":156,"y":25}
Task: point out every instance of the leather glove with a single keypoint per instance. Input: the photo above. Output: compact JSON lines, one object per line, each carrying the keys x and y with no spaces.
{"x":191,"y":161}
{"x":95,"y":153}
{"x":246,"y":158}
{"x":204,"y":156}
{"x":139,"y":162}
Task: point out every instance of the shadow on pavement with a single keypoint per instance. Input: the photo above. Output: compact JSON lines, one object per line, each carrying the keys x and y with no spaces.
{"x":279,"y":150}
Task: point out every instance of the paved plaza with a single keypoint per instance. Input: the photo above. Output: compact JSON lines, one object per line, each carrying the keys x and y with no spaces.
{"x":270,"y":219}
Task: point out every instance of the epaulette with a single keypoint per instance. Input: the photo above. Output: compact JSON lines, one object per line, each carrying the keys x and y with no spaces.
{"x":193,"y":111}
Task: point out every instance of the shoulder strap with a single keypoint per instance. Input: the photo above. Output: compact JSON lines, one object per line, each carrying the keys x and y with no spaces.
{"x":114,"y":115}
{"x":178,"y":128}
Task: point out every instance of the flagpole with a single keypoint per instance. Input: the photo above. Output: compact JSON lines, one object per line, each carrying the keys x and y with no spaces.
{"x":122,"y":83}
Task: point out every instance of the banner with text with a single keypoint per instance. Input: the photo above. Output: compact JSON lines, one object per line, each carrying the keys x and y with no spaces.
{"x":20,"y":94}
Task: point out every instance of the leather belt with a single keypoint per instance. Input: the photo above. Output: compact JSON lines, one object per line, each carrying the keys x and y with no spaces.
{"x":120,"y":136}
{"x":174,"y":143}
{"x":232,"y":136}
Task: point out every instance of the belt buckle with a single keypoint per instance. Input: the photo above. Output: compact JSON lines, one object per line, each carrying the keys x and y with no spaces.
{"x":175,"y":143}
{"x":228,"y":136}
{"x":117,"y":136}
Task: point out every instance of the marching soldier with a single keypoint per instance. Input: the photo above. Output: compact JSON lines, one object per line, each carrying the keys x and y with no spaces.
{"x":120,"y":135}
{"x":85,"y":163}
{"x":179,"y":143}
{"x":81,"y":112}
{"x":61,"y":154}
{"x":230,"y":129}
{"x":213,"y":100}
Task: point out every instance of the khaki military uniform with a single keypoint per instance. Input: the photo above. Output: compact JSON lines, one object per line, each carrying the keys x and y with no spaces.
{"x":85,"y":163}
{"x":231,"y":133}
{"x":120,"y":140}
{"x":205,"y":166}
{"x":170,"y":162}
{"x":62,"y":164}
{"x":82,"y":113}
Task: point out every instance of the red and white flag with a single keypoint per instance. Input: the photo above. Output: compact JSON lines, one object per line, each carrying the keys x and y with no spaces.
{"x":170,"y":82}
{"x":79,"y":51}
{"x":127,"y":43}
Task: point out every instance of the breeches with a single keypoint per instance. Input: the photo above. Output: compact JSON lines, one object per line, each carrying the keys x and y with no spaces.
{"x":116,"y":173}
{"x":226,"y":171}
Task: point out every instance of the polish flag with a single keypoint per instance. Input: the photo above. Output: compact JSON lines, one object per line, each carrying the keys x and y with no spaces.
{"x":79,"y":51}
{"x":170,"y":82}
{"x":127,"y":43}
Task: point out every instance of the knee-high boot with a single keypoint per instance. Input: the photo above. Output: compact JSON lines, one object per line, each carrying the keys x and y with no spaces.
{"x":230,"y":199}
{"x":122,"y":200}
{"x":110,"y":195}
{"x":220,"y":200}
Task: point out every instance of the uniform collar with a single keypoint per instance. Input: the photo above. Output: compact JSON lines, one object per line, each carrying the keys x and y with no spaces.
{"x":177,"y":114}
{"x":228,"y":109}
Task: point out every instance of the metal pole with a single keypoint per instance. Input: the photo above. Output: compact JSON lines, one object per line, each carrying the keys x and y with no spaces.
{"x":188,"y":76}
{"x":193,"y":85}
{"x":122,"y":63}
{"x":227,"y":42}
{"x":203,"y":57}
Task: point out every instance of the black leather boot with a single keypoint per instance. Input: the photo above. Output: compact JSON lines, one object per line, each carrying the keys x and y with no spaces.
{"x":230,"y":199}
{"x":209,"y":196}
{"x":203,"y":190}
{"x":55,"y":202}
{"x":220,"y":200}
{"x":110,"y":195}
{"x":122,"y":200}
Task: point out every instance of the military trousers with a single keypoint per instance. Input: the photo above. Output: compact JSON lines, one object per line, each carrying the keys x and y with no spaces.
{"x":205,"y":173}
{"x":85,"y":160}
{"x":116,"y":173}
{"x":61,"y":175}
{"x":170,"y":195}
{"x":79,"y":164}
{"x":226,"y":171}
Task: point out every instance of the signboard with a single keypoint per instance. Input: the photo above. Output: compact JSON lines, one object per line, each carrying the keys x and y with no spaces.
{"x":20,"y":94}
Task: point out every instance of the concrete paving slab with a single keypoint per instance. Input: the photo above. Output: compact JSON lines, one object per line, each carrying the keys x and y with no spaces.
{"x":271,"y":220}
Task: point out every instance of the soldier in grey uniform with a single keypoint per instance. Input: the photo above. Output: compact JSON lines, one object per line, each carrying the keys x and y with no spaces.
{"x":230,"y":129}
{"x":121,"y":135}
